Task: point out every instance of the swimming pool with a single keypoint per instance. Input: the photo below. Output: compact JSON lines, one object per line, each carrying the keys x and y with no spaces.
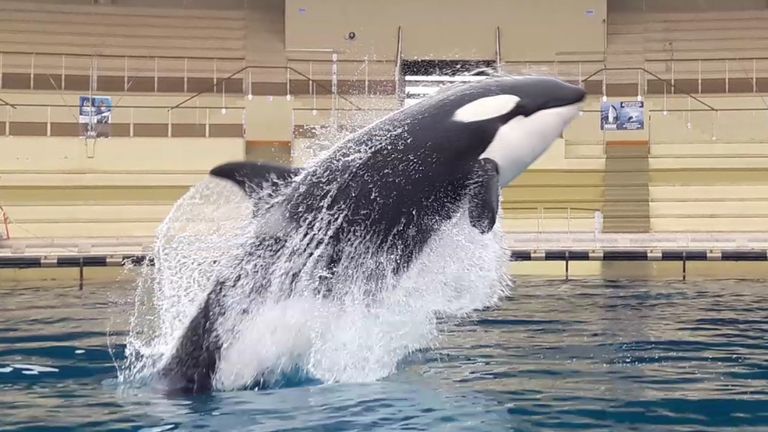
{"x":587,"y":355}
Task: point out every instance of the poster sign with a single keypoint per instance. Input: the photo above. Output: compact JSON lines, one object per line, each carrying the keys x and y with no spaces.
{"x":95,"y":116}
{"x":625,"y":115}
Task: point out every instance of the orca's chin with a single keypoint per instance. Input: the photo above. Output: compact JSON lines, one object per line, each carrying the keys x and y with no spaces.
{"x":522,"y":140}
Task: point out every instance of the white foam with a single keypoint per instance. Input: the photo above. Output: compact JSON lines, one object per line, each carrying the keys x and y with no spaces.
{"x":34,"y":368}
{"x":30,"y":372}
{"x":6,"y":369}
{"x":80,"y":351}
{"x":157,"y":428}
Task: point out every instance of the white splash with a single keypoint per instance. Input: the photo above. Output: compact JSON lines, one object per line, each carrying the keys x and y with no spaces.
{"x":359,"y":333}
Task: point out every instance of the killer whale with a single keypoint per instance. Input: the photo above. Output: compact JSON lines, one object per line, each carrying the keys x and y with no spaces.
{"x":387,"y":188}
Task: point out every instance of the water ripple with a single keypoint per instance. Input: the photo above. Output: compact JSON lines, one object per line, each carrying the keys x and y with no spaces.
{"x":592,"y":355}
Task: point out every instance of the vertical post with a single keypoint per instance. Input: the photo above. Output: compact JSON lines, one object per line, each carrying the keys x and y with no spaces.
{"x":207,"y":123}
{"x":567,"y":266}
{"x":250,"y":85}
{"x":699,"y":76}
{"x":366,"y":75}
{"x":170,"y":128}
{"x":581,"y":84}
{"x":498,"y":49}
{"x":288,"y":83}
{"x":311,"y":85}
{"x":569,"y":221}
{"x":155,"y":74}
{"x":32,"y":73}
{"x":645,"y":78}
{"x":48,"y":123}
{"x":214,"y":75}
{"x":125,"y":74}
{"x":95,"y":73}
{"x":244,"y":89}
{"x":8,"y":120}
{"x":726,"y":75}
{"x":334,"y":87}
{"x":130,"y":126}
{"x":673,"y":77}
{"x":685,"y":269}
{"x":398,"y":61}
{"x":81,"y":273}
{"x":1,"y":70}
{"x":185,"y":74}
{"x":63,"y":70}
{"x":539,"y":221}
{"x":754,"y":75}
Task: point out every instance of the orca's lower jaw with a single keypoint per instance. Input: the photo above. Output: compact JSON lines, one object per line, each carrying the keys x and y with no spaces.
{"x":522,"y":140}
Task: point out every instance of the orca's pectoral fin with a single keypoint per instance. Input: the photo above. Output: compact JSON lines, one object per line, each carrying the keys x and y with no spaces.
{"x":253,"y":173}
{"x":484,"y":196}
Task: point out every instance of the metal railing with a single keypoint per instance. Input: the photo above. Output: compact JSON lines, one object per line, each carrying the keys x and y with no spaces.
{"x":567,"y":214}
{"x":6,"y":222}
{"x":734,"y":72}
{"x":127,"y":121}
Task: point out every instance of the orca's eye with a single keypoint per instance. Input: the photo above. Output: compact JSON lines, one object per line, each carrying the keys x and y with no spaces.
{"x":486,"y":108}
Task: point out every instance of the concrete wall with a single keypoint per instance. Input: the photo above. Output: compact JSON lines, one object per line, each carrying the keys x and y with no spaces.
{"x":530,"y":29}
{"x":147,"y":28}
{"x":50,"y":187}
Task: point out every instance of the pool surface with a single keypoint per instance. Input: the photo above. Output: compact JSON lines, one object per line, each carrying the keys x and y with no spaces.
{"x":592,"y":355}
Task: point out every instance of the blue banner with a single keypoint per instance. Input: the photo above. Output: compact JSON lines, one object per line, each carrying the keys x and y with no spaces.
{"x":625,"y":115}
{"x":95,"y":116}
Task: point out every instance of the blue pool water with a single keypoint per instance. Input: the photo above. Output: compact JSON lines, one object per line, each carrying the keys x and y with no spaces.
{"x":593,"y":355}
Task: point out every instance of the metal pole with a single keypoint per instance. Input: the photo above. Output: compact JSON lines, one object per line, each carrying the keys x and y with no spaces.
{"x":685,"y":270}
{"x":155,"y":74}
{"x":130,"y":126}
{"x":580,"y":83}
{"x":673,"y":77}
{"x":398,"y":61}
{"x":699,"y":77}
{"x":32,"y":73}
{"x":334,"y":87}
{"x":1,"y":70}
{"x":48,"y":123}
{"x":125,"y":74}
{"x":207,"y":123}
{"x":498,"y":49}
{"x":63,"y":70}
{"x":185,"y":74}
{"x":726,"y":76}
{"x":754,"y":75}
{"x":81,"y":273}
{"x":366,"y":75}
{"x":288,"y":83}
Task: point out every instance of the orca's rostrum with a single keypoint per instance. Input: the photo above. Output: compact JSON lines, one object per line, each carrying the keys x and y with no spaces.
{"x":386,"y":189}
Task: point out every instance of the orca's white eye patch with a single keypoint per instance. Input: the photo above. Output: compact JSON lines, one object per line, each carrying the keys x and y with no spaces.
{"x":485,"y":108}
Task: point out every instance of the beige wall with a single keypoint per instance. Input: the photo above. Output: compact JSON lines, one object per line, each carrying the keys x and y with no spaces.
{"x":51,"y":188}
{"x":149,"y":29}
{"x":455,"y":29}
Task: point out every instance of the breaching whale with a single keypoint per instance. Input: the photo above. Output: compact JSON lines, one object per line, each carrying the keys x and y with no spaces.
{"x":386,"y":189}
